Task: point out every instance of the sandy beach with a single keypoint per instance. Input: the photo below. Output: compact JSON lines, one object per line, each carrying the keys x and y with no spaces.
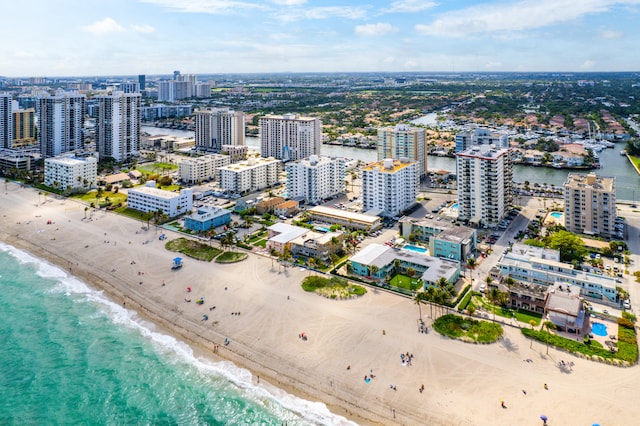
{"x":261,"y":308}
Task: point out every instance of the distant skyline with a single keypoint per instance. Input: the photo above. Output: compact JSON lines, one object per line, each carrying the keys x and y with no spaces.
{"x":125,"y":37}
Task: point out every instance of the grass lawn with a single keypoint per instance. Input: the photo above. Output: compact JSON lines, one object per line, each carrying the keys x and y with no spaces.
{"x":333,"y":288}
{"x":156,"y":168}
{"x":521,"y":315}
{"x":261,"y":243}
{"x":194,"y":249}
{"x":90,"y":197}
{"x":635,"y":160}
{"x":135,"y":214}
{"x":406,"y":282}
{"x":467,"y":329}
{"x":231,"y":257}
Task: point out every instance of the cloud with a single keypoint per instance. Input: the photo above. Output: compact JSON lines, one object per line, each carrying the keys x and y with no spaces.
{"x":517,"y":16}
{"x":106,"y":26}
{"x":410,"y":6}
{"x":288,"y":2}
{"x":324,"y":13}
{"x":378,"y":29}
{"x":588,"y":64}
{"x":143,"y":29}
{"x":609,"y":34}
{"x":214,"y":7}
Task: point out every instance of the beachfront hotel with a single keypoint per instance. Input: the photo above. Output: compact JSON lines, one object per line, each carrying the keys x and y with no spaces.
{"x":60,"y":122}
{"x":485,"y":180}
{"x":6,"y":120}
{"x":148,"y":198}
{"x":250,"y":175}
{"x":590,"y":204}
{"x":403,"y":141}
{"x":379,"y":262}
{"x":118,"y":125}
{"x":389,"y":186}
{"x":444,"y":240}
{"x":218,"y":127}
{"x":315,"y":178}
{"x":69,"y":173}
{"x":207,"y":217}
{"x":469,"y":138}
{"x":290,"y":137}
{"x":201,"y":169}
{"x":541,"y":266}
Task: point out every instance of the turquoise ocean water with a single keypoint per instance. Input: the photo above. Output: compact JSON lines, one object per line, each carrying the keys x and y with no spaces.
{"x":68,"y":355}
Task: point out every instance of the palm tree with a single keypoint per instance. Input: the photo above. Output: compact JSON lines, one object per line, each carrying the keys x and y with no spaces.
{"x":312,"y":262}
{"x":493,"y":295}
{"x":85,"y":212}
{"x":373,"y":269}
{"x":532,"y":323}
{"x":549,"y":326}
{"x":418,"y":298}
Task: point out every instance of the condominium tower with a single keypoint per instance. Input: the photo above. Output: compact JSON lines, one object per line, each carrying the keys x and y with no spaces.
{"x":290,"y":136}
{"x":249,"y":175}
{"x":23,"y":127}
{"x":218,"y":127}
{"x":389,"y":186}
{"x":468,"y":138}
{"x":590,"y":204}
{"x":403,"y":141}
{"x":485,"y":179}
{"x":60,"y":123}
{"x":315,"y":178}
{"x":118,"y":125}
{"x":6,"y":121}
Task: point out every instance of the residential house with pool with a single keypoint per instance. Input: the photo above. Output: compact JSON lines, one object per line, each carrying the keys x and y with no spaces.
{"x":379,"y":261}
{"x":443,"y":239}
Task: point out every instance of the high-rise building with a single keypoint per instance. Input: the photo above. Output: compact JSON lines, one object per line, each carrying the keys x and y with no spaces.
{"x":6,"y":120}
{"x":250,"y":175}
{"x":590,"y":204}
{"x":142,"y":81}
{"x":290,"y":136}
{"x":60,"y":123}
{"x":68,"y":173}
{"x":24,"y":127}
{"x":485,"y":184}
{"x":403,"y":141}
{"x":130,"y":87}
{"x":469,"y":138}
{"x":389,"y":186}
{"x":118,"y":125}
{"x":315,"y":178}
{"x":217,"y":127}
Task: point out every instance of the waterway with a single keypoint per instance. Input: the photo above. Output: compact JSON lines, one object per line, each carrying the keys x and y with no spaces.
{"x":613,"y":164}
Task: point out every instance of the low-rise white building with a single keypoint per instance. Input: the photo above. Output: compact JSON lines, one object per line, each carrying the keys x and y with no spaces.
{"x":148,"y":198}
{"x":250,"y":175}
{"x":315,"y":178}
{"x":68,"y":173}
{"x":199,"y":169}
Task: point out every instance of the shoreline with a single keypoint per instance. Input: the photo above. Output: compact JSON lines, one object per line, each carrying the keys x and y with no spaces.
{"x":464,"y":383}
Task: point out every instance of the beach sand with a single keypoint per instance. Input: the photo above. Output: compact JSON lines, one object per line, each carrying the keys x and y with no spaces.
{"x":464,"y":383}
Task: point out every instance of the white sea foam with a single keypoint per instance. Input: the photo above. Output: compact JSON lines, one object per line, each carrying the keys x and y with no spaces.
{"x":295,"y":410}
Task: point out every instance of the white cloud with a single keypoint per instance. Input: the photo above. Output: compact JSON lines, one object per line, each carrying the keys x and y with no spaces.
{"x":324,"y":13}
{"x":588,"y":64}
{"x":517,"y":16}
{"x":144,"y":28}
{"x":609,"y":34}
{"x":410,"y":6}
{"x":215,"y":7}
{"x":378,"y":29}
{"x":288,"y":2}
{"x":106,"y":26}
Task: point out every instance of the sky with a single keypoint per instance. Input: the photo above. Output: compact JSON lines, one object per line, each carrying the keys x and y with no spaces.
{"x":127,"y":37}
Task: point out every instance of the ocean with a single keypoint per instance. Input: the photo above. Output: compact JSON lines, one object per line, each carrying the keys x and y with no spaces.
{"x":70,"y":356}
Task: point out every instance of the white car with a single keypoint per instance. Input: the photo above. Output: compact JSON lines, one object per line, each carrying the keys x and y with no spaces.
{"x":626,"y":305}
{"x":483,"y":287}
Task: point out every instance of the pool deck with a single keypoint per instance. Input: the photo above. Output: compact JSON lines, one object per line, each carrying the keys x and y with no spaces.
{"x":550,"y":220}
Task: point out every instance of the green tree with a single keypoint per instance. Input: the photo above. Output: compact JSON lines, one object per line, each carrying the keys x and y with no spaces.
{"x":418,"y":298}
{"x":571,"y":246}
{"x":548,"y":325}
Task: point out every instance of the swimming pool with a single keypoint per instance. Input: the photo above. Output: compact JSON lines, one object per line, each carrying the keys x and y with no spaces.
{"x":556,"y":215}
{"x":454,"y":206}
{"x":599,"y":329}
{"x":414,"y":248}
{"x":322,"y":229}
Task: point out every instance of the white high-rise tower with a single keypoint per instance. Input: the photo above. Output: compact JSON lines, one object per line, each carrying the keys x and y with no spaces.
{"x":60,"y":123}
{"x":218,"y":127}
{"x":118,"y":125}
{"x":290,"y":137}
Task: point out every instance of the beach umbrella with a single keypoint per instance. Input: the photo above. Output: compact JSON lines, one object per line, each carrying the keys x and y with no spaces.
{"x":544,"y":418}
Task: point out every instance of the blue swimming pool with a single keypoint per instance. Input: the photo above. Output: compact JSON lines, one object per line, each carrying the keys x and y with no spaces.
{"x":556,"y":215}
{"x":414,"y":248}
{"x":598,"y":329}
{"x":455,"y":206}
{"x":322,"y":229}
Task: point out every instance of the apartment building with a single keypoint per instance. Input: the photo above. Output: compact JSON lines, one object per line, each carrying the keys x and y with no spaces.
{"x":218,"y":127}
{"x":60,"y":123}
{"x":118,"y":125}
{"x":443,"y":239}
{"x":6,"y":120}
{"x":70,"y":173}
{"x":250,"y":175}
{"x":389,"y":186}
{"x":590,"y":204}
{"x":468,"y":138}
{"x":485,"y":184}
{"x":316,"y":178}
{"x":148,"y":198}
{"x":202,"y":169}
{"x":23,"y":128}
{"x":403,"y":141}
{"x":290,"y":137}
